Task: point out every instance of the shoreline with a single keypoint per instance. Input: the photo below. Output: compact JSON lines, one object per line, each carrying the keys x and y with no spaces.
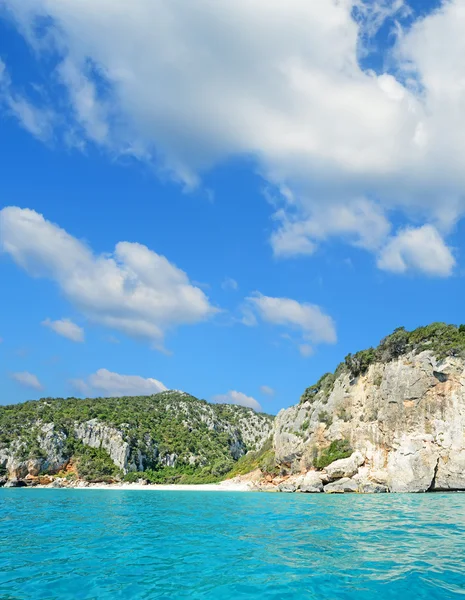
{"x":199,"y":487}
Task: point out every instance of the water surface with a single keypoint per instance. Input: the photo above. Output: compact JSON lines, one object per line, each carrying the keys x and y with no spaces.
{"x":63,"y":544}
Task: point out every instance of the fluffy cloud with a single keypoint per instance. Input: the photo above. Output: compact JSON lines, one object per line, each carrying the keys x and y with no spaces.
{"x":27,"y":379}
{"x":106,"y":383}
{"x":312,"y":323}
{"x":66,"y":328}
{"x":267,"y":390}
{"x":233,"y":397}
{"x":134,"y":290}
{"x":280,"y":81}
{"x":420,"y":249}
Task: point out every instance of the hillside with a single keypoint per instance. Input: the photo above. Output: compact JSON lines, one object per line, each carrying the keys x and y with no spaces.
{"x":171,"y":437}
{"x":392,"y":416}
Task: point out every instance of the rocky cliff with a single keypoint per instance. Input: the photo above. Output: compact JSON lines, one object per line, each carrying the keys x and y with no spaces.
{"x":170,"y":433}
{"x":393,"y":416}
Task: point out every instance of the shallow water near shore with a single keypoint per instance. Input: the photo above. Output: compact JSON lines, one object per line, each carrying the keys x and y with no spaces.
{"x":60,"y":544}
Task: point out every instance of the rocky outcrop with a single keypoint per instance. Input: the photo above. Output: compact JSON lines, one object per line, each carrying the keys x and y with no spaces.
{"x":97,"y":435}
{"x":311,"y":483}
{"x":341,"y":486}
{"x":345,"y":467}
{"x":404,"y":420}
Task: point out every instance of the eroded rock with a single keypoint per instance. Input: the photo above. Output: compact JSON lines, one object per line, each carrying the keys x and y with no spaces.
{"x":341,"y":486}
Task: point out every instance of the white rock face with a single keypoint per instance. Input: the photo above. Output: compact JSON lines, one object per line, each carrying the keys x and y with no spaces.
{"x":311,"y":483}
{"x":96,"y":435}
{"x":411,"y":468}
{"x":341,"y":486}
{"x":345,"y":467}
{"x":406,"y":418}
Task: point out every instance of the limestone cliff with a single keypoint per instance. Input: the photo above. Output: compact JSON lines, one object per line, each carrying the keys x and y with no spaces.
{"x":403,"y":414}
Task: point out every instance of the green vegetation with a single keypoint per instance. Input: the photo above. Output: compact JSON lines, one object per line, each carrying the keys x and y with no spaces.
{"x":156,"y":427}
{"x":264,"y":459}
{"x":324,"y":386}
{"x":95,"y":464}
{"x":325,"y":417}
{"x":337,"y":449}
{"x":441,"y":339}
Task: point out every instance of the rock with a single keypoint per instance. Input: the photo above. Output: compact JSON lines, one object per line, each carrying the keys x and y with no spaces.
{"x":450,"y":472}
{"x":3,"y":480}
{"x":311,"y":483}
{"x":267,"y":487}
{"x":345,"y":467}
{"x":371,"y":487}
{"x":312,"y":489}
{"x":341,"y":486}
{"x":379,"y":476}
{"x":34,"y":467}
{"x":287,"y":488}
{"x":15,"y":483}
{"x":411,"y":468}
{"x":97,"y":435}
{"x":45,"y":480}
{"x":31,"y":481}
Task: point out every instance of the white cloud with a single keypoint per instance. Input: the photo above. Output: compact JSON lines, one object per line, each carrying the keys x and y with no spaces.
{"x":229,"y":284}
{"x":194,"y":83}
{"x":233,"y":397}
{"x":133,"y":290}
{"x":267,"y":390}
{"x":361,"y":222}
{"x":421,"y":249}
{"x":106,"y":383}
{"x":66,"y":328}
{"x":308,"y":319}
{"x":27,"y":379}
{"x":37,"y":121}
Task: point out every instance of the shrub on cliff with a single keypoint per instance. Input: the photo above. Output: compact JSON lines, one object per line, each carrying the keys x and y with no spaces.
{"x":336,"y":450}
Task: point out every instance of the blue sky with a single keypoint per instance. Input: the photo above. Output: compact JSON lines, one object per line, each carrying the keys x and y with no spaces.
{"x":284,"y":183}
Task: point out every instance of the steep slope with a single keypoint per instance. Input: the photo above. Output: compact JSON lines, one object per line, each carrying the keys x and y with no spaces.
{"x":172,"y":436}
{"x":399,"y":408}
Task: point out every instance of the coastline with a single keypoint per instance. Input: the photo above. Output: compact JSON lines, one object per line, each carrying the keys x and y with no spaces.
{"x":224,"y":486}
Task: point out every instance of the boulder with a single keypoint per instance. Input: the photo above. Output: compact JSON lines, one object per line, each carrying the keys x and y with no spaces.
{"x":345,"y":467}
{"x":371,"y":487}
{"x":267,"y":487}
{"x":311,"y":483}
{"x":45,"y":480}
{"x":341,"y":486}
{"x":287,"y":488}
{"x":450,"y":472}
{"x":31,"y":481}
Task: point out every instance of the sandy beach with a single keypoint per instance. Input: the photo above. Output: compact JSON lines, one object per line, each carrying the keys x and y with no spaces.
{"x":224,"y":486}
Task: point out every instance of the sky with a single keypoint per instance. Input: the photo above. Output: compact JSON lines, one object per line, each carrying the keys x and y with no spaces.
{"x":224,"y":198}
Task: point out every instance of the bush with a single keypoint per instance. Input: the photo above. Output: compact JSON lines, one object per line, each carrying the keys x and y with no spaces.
{"x":95,"y":464}
{"x":324,"y":385}
{"x":325,"y":417}
{"x":336,"y":450}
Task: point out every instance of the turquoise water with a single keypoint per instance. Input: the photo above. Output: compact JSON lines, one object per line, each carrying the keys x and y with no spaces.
{"x":140,"y":544}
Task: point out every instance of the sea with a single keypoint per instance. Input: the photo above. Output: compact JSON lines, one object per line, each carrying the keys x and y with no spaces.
{"x":108,"y":544}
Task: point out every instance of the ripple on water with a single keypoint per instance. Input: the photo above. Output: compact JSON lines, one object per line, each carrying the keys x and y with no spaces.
{"x":59,"y":544}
